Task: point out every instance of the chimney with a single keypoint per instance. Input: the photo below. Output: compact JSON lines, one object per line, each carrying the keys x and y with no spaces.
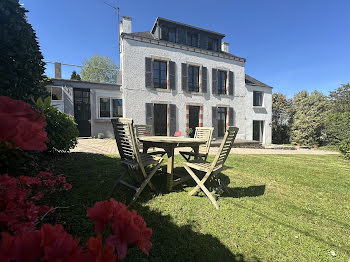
{"x":224,"y":47}
{"x":58,"y":70}
{"x":125,"y":25}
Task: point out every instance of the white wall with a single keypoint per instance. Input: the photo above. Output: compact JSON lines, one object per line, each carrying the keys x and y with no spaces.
{"x":136,"y":95}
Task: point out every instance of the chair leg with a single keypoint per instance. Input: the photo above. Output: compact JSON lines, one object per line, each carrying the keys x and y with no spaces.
{"x":201,"y":185}
{"x":144,"y":183}
{"x":183,"y":154}
{"x":196,"y":188}
{"x":117,"y":182}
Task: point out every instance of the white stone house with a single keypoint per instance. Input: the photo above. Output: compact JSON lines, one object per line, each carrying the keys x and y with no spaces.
{"x":177,"y":76}
{"x":173,"y":77}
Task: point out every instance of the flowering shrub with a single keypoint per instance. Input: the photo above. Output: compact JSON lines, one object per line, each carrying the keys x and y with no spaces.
{"x":21,"y":125}
{"x":18,"y":212}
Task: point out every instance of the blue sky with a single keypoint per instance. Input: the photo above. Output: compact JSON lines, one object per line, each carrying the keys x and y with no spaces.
{"x":290,"y":45}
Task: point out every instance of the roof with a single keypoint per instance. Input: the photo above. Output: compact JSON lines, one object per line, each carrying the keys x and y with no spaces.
{"x":149,"y":35}
{"x":178,"y":23}
{"x":254,"y":82}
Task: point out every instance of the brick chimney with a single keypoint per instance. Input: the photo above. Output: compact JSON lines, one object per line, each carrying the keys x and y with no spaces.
{"x":58,"y":70}
{"x":224,"y":47}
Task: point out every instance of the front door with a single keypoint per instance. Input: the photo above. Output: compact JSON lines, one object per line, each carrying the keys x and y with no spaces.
{"x":160,"y":119}
{"x":222,"y":113}
{"x":193,"y":119}
{"x":82,"y":112}
{"x":258,"y":129}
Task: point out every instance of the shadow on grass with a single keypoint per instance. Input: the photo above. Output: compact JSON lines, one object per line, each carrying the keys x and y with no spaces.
{"x":93,"y":177}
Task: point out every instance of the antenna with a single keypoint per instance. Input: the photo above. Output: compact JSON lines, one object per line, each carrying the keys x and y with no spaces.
{"x":116,"y":8}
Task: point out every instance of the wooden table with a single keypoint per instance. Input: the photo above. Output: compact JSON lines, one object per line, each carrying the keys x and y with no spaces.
{"x":169,"y":144}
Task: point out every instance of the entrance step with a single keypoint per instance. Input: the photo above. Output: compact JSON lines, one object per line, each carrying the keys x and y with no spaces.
{"x":239,"y":143}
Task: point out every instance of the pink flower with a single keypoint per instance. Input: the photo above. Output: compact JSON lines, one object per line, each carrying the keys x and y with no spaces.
{"x":67,"y":186}
{"x":21,"y":125}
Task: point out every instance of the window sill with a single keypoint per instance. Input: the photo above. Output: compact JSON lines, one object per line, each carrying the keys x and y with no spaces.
{"x":160,"y":89}
{"x":258,"y":107}
{"x":101,"y":120}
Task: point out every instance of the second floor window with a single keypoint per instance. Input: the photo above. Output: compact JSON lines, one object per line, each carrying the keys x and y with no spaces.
{"x":193,"y":78}
{"x":257,"y":98}
{"x":222,"y":77}
{"x":159,"y":74}
{"x":212,"y":44}
{"x":172,"y":35}
{"x":192,"y":39}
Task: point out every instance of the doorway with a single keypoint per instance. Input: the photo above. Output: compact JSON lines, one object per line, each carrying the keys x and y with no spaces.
{"x":222,"y":114}
{"x":258,"y":130}
{"x":160,"y":119}
{"x":193,"y":119}
{"x":82,"y":113}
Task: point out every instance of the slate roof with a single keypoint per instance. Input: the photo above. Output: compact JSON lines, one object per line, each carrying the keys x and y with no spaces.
{"x":149,"y":35}
{"x":254,"y":82}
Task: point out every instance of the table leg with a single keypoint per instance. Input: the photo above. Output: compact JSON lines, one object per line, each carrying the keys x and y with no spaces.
{"x":195,"y":151}
{"x":170,"y":169}
{"x":145,"y":147}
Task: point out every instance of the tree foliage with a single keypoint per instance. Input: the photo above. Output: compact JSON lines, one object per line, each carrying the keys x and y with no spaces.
{"x":21,"y":66}
{"x":340,"y":99}
{"x":280,"y":118}
{"x":99,"y":69}
{"x":75,"y":76}
{"x":308,"y":112}
{"x":337,"y":127}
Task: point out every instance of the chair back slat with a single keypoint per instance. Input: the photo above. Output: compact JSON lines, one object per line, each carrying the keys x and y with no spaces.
{"x":143,"y":130}
{"x":125,"y":138}
{"x":204,"y":133}
{"x":225,"y":147}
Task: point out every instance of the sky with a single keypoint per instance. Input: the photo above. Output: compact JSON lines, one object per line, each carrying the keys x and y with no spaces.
{"x":292,"y":45}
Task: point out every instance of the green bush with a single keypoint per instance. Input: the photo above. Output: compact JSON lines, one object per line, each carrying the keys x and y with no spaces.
{"x":337,"y":127}
{"x":61,"y":130}
{"x":344,"y":148}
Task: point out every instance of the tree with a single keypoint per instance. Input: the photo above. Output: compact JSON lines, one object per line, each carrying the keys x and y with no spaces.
{"x":308,"y":113}
{"x":75,"y":76}
{"x":99,"y":69}
{"x":280,"y":118}
{"x":21,"y":66}
{"x":340,"y":99}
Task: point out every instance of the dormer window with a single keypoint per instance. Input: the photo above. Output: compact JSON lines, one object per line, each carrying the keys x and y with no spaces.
{"x":192,"y":39}
{"x":212,"y":44}
{"x":172,"y":35}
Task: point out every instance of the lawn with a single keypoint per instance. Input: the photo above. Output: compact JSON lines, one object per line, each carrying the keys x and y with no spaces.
{"x":281,"y":208}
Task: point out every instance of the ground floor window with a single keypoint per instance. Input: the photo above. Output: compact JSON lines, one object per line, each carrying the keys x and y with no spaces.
{"x":221,"y":116}
{"x":258,"y":130}
{"x":110,"y":107}
{"x":160,"y":119}
{"x":193,"y":118}
{"x":55,"y":92}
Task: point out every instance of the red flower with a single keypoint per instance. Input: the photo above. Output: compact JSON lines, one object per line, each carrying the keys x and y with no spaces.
{"x":62,"y":179}
{"x":129,"y":229}
{"x":49,"y":182}
{"x":38,"y":196}
{"x":67,"y":186}
{"x":21,"y":125}
{"x":44,"y":175}
{"x":28,"y":181}
{"x":101,"y":254}
{"x":57,"y":244}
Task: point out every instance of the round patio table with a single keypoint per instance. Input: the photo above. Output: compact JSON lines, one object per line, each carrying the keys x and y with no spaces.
{"x":169,"y":144}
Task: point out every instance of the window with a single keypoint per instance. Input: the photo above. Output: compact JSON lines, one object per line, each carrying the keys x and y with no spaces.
{"x":257,"y":98}
{"x":222,"y":77}
{"x":221,"y":116}
{"x":56,"y":93}
{"x":193,"y":78}
{"x":110,"y":107}
{"x":212,"y":44}
{"x":192,"y":39}
{"x":159,"y":74}
{"x":172,"y":35}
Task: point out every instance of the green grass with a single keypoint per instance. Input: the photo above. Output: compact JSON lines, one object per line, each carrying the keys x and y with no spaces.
{"x":329,"y":148}
{"x":281,"y":208}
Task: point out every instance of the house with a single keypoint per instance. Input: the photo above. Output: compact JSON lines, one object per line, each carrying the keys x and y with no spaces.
{"x":178,"y":76}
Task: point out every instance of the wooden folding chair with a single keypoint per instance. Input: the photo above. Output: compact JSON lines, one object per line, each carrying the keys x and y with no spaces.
{"x":132,"y":159}
{"x":203,"y":133}
{"x":146,"y":130}
{"x":212,"y":169}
